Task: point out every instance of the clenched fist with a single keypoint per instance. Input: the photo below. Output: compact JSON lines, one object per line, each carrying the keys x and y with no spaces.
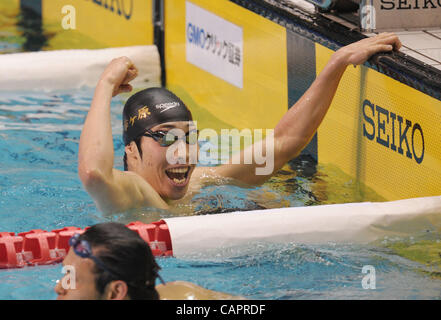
{"x":118,"y":73}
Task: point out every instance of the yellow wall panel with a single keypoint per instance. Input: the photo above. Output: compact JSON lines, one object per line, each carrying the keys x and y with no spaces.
{"x":361,"y":133}
{"x":100,"y":23}
{"x":216,"y":103}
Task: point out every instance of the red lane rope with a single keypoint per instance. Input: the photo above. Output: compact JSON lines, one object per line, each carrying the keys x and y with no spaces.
{"x":40,"y":247}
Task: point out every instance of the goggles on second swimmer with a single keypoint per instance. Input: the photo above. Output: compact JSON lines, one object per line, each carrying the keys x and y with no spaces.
{"x":83,"y":249}
{"x":166,"y":139}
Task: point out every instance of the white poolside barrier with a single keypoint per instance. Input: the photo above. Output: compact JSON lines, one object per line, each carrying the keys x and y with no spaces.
{"x":335,"y":223}
{"x":73,"y":69}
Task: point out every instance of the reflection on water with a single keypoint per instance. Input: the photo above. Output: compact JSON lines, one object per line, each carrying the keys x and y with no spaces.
{"x":30,"y":25}
{"x":293,"y":271}
{"x":424,"y":248}
{"x":299,"y":183}
{"x":269,"y":271}
{"x":20,"y":28}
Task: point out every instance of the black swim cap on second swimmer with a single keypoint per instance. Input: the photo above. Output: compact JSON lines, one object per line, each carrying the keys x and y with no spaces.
{"x":150,"y":107}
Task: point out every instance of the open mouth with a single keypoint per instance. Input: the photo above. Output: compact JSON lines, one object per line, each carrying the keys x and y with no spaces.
{"x":178,"y":175}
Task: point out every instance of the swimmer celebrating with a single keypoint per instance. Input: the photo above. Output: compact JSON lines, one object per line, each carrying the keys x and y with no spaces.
{"x":149,"y":179}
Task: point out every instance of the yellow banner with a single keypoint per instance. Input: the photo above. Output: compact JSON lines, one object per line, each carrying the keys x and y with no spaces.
{"x":9,"y":6}
{"x":246,"y":87}
{"x":98,"y":23}
{"x":382,"y":132}
{"x":9,"y":10}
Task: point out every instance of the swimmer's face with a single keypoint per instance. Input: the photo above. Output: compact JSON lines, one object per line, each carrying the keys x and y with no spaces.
{"x":161,"y":166}
{"x":78,"y":282}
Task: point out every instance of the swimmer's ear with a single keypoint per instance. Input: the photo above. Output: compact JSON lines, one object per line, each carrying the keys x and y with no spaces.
{"x":133,"y":148}
{"x":116,"y":290}
{"x":133,"y":154}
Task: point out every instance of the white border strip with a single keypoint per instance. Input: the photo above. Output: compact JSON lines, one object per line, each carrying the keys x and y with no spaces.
{"x":337,"y":223}
{"x":73,"y":69}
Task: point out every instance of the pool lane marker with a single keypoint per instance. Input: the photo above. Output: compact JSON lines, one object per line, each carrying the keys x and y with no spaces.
{"x":40,"y":247}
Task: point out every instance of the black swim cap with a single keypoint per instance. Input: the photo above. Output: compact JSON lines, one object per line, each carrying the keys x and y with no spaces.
{"x":150,"y":107}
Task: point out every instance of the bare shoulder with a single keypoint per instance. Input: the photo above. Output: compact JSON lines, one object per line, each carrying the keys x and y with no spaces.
{"x":183,"y":290}
{"x":147,"y":195}
{"x":219,"y":175}
{"x":127,"y":190}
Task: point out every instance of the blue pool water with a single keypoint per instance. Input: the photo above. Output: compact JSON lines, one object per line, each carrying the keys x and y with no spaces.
{"x":40,"y":188}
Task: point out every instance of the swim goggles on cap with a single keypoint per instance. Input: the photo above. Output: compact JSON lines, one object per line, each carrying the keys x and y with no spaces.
{"x":166,"y":139}
{"x":83,"y":249}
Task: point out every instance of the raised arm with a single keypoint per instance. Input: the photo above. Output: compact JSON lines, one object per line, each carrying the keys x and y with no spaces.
{"x":112,"y":190}
{"x":299,"y":124}
{"x":96,"y":142}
